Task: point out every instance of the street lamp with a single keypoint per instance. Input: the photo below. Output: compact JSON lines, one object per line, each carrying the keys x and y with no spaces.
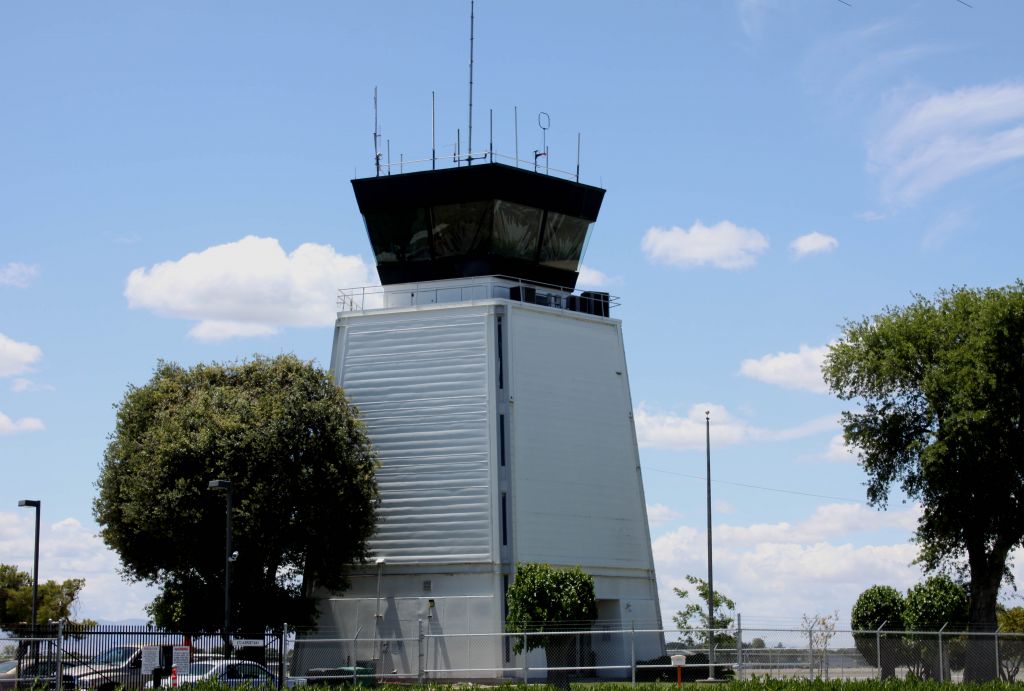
{"x":226,"y":486}
{"x":37,"y":505}
{"x":711,"y":578}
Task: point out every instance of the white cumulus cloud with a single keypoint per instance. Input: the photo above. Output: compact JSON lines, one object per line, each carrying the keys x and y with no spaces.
{"x":724,"y":245}
{"x":17,"y":274}
{"x":669,"y":430}
{"x":68,"y":549}
{"x":949,"y":135}
{"x":813,"y":243}
{"x":17,"y":357}
{"x":799,"y":370}
{"x":247,"y":288}
{"x":10,"y":427}
{"x":777,"y":572}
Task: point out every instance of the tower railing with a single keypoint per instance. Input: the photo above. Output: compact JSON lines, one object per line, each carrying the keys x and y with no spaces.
{"x":484,"y":288}
{"x":461,"y":160}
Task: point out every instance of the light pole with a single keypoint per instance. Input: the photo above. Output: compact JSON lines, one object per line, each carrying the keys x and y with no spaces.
{"x":226,"y":486}
{"x":711,"y":577}
{"x":37,"y":505}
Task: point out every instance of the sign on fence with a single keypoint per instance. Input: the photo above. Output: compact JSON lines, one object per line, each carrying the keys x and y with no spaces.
{"x":181,"y":657}
{"x":150,"y":658}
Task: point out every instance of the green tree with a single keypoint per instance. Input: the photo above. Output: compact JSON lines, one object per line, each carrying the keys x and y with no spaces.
{"x":543,"y":599}
{"x":936,"y":603}
{"x":304,"y":494}
{"x":941,"y":384}
{"x":692,"y":619}
{"x":1011,"y":648}
{"x":57,"y":601}
{"x":879,"y":607}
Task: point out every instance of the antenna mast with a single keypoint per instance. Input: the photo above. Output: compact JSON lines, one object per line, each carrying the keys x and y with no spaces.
{"x":469,"y":136}
{"x":376,"y":134}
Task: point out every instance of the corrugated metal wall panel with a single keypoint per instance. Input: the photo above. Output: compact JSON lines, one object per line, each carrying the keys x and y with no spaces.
{"x":420,"y":381}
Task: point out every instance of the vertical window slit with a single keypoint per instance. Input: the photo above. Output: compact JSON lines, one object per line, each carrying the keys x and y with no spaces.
{"x":504,"y":520}
{"x":501,"y":367}
{"x":501,"y":439}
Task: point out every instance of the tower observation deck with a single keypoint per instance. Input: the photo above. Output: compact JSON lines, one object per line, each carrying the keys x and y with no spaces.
{"x":481,"y":220}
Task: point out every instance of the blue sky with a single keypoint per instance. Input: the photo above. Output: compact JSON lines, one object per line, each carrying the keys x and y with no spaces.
{"x":174,"y":184}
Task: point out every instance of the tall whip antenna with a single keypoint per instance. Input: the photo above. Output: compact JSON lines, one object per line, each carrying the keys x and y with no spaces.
{"x":469,"y":136}
{"x":376,"y":134}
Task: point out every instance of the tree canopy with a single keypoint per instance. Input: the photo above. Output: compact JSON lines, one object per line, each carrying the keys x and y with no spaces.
{"x":56,"y":602}
{"x":941,"y":382}
{"x":543,"y":598}
{"x":302,"y":475}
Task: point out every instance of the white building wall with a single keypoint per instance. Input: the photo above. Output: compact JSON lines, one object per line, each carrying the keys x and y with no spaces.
{"x":577,"y":497}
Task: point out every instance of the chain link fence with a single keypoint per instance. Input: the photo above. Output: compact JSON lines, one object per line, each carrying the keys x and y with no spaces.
{"x":644,"y":655}
{"x":104,"y":658}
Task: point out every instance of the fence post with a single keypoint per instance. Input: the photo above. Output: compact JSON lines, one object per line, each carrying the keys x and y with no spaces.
{"x":283,"y":667}
{"x":420,"y":652}
{"x":739,"y":645}
{"x":999,"y":666}
{"x":632,"y":652}
{"x":942,"y":667}
{"x":526,"y":670}
{"x":810,"y":651}
{"x":59,"y":645}
{"x":878,"y":648}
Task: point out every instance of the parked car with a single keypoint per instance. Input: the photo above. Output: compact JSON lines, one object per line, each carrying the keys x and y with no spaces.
{"x":228,"y":672}
{"x":120,"y":666}
{"x":31,"y":675}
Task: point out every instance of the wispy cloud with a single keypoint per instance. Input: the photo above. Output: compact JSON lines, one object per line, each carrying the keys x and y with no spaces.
{"x":17,"y":274}
{"x":724,"y":245}
{"x":942,"y":231}
{"x":799,"y":370}
{"x":839,"y":451}
{"x":944,"y":137}
{"x":247,"y":288}
{"x":659,"y":514}
{"x":670,"y":430}
{"x":9,"y":427}
{"x":21,"y":385}
{"x":592,"y":278}
{"x":813,"y":243}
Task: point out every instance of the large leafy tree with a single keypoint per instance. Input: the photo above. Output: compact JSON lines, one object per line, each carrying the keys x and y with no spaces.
{"x":57,"y":600}
{"x":941,"y":382}
{"x":302,"y":473}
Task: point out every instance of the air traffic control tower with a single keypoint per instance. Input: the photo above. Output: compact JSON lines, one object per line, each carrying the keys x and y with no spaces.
{"x":498,"y":399}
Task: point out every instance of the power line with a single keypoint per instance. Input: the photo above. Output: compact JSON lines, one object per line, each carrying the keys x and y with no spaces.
{"x":749,"y":486}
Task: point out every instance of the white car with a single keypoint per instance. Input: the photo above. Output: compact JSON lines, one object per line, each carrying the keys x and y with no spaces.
{"x":228,"y":672}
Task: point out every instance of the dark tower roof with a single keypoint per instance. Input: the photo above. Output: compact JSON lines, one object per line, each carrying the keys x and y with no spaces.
{"x":481,"y":220}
